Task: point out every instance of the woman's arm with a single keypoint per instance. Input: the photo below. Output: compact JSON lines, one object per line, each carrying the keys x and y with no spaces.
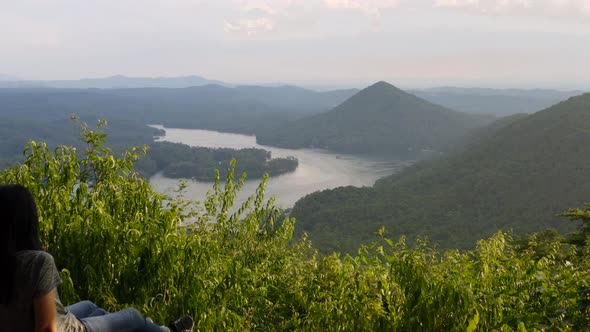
{"x":45,"y":313}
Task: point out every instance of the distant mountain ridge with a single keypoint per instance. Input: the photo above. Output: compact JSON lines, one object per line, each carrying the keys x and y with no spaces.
{"x":536,"y":93}
{"x":499,"y":102}
{"x":380,"y":120}
{"x":518,"y":176}
{"x":5,"y":77}
{"x":114,"y":82}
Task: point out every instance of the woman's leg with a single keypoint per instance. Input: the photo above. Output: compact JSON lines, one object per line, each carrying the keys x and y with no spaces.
{"x":125,"y":320}
{"x":98,"y":312}
{"x":82,"y":309}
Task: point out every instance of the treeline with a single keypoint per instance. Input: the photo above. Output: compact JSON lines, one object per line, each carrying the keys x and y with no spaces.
{"x":16,"y":130}
{"x":120,"y":243}
{"x":174,"y":159}
{"x":199,"y":163}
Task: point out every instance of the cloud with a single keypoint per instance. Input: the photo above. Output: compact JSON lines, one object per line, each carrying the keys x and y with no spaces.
{"x":270,"y":7}
{"x":248,"y":27}
{"x":281,"y":19}
{"x":544,"y":7}
{"x":371,"y":7}
{"x":283,"y":7}
{"x":274,"y":19}
{"x":300,"y":17}
{"x":375,"y":7}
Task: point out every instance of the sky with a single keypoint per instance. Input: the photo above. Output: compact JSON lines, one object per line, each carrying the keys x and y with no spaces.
{"x":339,"y":43}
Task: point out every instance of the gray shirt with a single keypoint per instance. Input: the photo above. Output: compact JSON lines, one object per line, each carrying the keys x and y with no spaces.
{"x":36,"y":275}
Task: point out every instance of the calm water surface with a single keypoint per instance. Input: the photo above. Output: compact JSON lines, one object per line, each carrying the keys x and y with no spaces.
{"x":318,"y":169}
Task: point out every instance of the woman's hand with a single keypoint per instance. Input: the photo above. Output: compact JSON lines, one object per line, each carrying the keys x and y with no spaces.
{"x":45,"y":313}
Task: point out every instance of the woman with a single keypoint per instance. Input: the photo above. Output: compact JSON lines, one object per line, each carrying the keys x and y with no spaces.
{"x":29,"y":280}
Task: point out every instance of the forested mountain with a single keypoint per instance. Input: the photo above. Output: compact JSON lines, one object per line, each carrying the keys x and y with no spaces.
{"x":278,"y":99}
{"x":242,"y":109}
{"x":293,"y":97}
{"x":517,"y":176}
{"x":500,"y":102}
{"x":379,"y":120}
{"x":43,"y":114}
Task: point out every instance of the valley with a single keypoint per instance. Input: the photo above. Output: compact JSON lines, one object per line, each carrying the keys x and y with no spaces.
{"x":317,"y":169}
{"x":343,"y":155}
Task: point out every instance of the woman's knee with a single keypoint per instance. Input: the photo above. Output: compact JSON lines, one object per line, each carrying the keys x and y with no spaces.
{"x":134,"y":313}
{"x":89,"y":304}
{"x":82,"y":309}
{"x":124,"y":320}
{"x":98,"y":312}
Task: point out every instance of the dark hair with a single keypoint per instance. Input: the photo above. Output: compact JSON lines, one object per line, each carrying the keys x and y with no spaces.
{"x":19,"y":230}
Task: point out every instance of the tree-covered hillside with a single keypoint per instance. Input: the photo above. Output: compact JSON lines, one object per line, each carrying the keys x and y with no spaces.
{"x":42,"y":114}
{"x":174,"y":159}
{"x":119,"y":243}
{"x":248,"y":109}
{"x":18,"y":129}
{"x":518,"y":176}
{"x":379,"y":120}
{"x":199,"y":163}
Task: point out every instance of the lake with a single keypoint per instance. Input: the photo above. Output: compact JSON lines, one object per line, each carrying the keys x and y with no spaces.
{"x":318,"y":169}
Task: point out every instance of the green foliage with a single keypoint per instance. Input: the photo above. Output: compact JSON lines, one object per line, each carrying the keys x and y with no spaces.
{"x":582,"y":236}
{"x":182,"y":161}
{"x":18,"y":129}
{"x":120,"y":243}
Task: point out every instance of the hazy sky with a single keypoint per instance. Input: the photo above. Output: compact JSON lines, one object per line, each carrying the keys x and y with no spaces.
{"x":529,"y":43}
